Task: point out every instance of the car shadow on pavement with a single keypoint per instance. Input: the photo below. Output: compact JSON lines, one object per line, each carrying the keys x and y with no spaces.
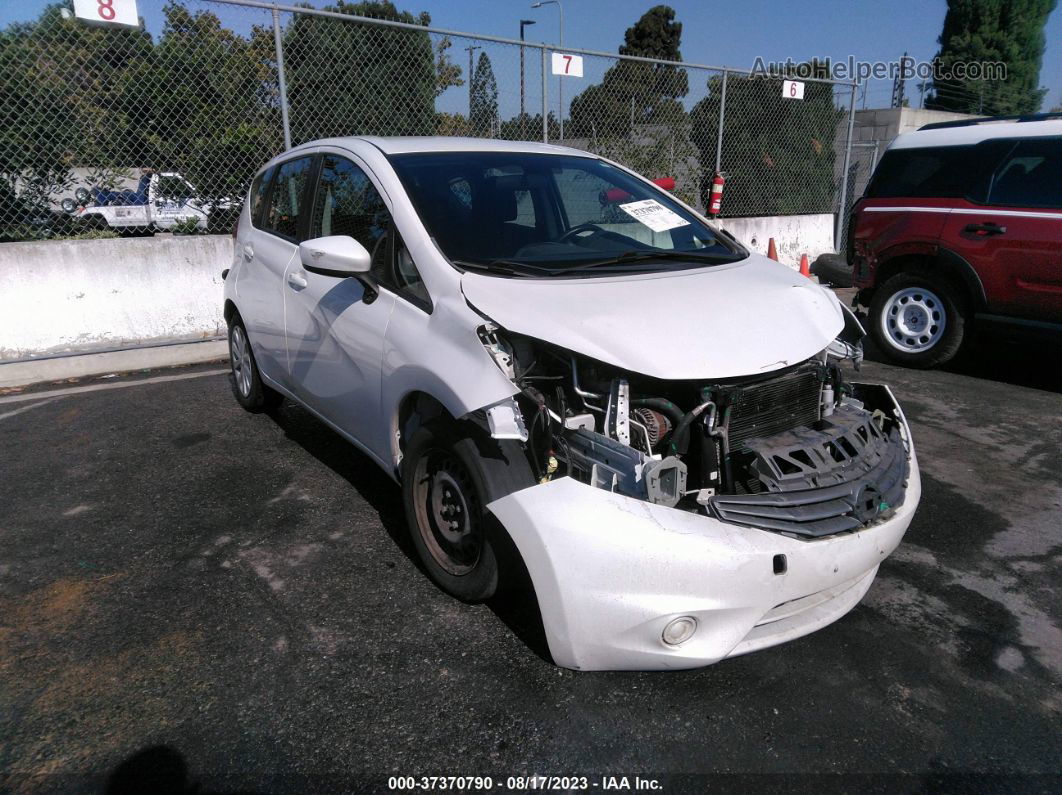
{"x":517,"y":608}
{"x":157,"y":769}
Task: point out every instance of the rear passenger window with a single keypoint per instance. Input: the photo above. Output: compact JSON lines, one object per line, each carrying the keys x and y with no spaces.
{"x":258,"y":192}
{"x":1031,"y":176}
{"x":285,"y":199}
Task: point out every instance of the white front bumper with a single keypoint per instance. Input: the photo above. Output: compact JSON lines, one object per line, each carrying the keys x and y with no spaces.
{"x":610,"y":572}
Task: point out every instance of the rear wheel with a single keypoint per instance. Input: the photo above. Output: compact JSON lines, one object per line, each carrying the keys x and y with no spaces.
{"x":247,"y":384}
{"x":918,"y":321}
{"x":450,"y":472}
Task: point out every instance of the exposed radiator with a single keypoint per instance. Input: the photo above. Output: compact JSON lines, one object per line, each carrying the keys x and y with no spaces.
{"x":775,"y":405}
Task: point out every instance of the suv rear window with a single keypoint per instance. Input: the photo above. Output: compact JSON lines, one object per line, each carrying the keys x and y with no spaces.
{"x":938,"y":172}
{"x":929,"y":173}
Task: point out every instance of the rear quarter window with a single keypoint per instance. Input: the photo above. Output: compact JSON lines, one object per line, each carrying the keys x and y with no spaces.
{"x":259,"y":188}
{"x":938,"y":172}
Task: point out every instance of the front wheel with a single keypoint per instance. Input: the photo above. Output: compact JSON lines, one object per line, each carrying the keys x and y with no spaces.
{"x":917,"y":321}
{"x":450,"y":472}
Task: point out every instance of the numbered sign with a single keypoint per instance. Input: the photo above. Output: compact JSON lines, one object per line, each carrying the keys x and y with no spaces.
{"x":121,"y":13}
{"x":567,"y":65}
{"x":792,"y":89}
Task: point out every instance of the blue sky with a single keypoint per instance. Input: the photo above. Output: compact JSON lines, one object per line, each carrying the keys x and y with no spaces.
{"x":713,"y":32}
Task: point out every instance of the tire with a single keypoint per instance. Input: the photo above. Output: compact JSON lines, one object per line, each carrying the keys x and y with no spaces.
{"x":917,"y":320}
{"x":450,"y":472}
{"x":246,"y":382}
{"x":833,"y":269}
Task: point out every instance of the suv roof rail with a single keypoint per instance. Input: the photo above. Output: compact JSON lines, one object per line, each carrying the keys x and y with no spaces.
{"x":940,"y":125}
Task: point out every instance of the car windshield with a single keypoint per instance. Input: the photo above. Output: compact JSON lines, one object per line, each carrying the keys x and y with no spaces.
{"x":520,"y":213}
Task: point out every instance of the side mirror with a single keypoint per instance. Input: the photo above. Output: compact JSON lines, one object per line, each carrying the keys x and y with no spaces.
{"x":335,"y":255}
{"x":340,"y":256}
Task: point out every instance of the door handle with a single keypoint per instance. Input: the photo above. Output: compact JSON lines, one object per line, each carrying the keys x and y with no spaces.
{"x":248,"y":253}
{"x":985,"y":230}
{"x":296,"y":281}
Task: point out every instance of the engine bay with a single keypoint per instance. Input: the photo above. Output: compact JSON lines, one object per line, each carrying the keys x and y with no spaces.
{"x":798,"y":451}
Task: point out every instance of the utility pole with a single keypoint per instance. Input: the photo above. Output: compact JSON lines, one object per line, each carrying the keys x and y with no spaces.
{"x":523,"y":24}
{"x":898,"y":84}
{"x":560,"y":80}
{"x":470,"y":49}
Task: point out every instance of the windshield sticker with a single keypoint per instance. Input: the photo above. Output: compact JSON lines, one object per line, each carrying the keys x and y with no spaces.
{"x":654,"y":215}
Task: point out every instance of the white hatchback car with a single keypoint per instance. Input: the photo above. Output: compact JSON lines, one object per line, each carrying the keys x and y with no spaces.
{"x":569,"y":370}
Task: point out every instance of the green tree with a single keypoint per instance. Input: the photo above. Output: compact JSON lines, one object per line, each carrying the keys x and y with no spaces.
{"x":635,"y":92}
{"x":356,"y":79}
{"x":60,"y":81}
{"x":447,"y":73}
{"x":527,"y":127}
{"x":483,"y":102}
{"x":1006,"y":31}
{"x":200,"y":105}
{"x":777,"y":153}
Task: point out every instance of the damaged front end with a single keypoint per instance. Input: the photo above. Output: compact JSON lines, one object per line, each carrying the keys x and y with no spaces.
{"x":799,"y":452}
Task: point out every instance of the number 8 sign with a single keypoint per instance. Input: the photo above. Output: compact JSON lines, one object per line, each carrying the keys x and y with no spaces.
{"x":120,"y":13}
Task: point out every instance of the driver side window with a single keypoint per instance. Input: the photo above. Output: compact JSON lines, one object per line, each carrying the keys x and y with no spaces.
{"x":347,"y":203}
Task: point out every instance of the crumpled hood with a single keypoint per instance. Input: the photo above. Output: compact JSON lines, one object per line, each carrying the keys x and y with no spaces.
{"x":724,"y":321}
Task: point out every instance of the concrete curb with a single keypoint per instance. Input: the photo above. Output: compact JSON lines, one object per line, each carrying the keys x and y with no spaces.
{"x":34,"y":372}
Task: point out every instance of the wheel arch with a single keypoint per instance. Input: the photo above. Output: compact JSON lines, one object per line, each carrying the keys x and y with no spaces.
{"x":230,"y":311}
{"x":944,"y":264}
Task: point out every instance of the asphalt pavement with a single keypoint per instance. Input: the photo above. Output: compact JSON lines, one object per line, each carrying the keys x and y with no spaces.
{"x":192,"y":596}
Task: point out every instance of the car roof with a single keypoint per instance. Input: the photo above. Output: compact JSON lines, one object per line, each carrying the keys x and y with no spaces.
{"x":445,"y":143}
{"x":975,"y":133}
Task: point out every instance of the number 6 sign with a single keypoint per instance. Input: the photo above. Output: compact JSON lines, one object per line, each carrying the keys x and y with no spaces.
{"x":120,"y":13}
{"x":567,"y":65}
{"x":792,"y":89}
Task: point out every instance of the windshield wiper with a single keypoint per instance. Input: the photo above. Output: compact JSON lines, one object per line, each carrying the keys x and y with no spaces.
{"x":511,"y":267}
{"x":641,"y":256}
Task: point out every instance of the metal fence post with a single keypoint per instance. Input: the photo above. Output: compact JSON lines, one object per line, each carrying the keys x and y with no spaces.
{"x":545,"y":105}
{"x":281,"y":79}
{"x":719,"y":137}
{"x":842,"y":209}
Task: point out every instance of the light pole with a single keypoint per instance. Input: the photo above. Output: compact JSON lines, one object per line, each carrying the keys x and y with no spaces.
{"x":470,"y":49}
{"x":560,"y":80}
{"x":523,"y":24}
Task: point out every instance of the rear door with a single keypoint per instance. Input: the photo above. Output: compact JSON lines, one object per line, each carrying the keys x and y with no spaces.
{"x":335,"y":338}
{"x":1014,"y":240}
{"x":273,"y":243}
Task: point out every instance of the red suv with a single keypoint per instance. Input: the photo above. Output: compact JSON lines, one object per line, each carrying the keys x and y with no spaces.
{"x":961,"y":222}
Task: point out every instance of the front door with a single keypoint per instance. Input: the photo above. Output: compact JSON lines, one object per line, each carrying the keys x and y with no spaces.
{"x":335,"y":337}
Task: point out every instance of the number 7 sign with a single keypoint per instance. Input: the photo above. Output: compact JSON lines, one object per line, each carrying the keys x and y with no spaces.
{"x":567,"y":65}
{"x":120,"y":13}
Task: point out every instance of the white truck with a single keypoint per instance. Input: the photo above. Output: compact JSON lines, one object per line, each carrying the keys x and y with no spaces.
{"x":162,"y":201}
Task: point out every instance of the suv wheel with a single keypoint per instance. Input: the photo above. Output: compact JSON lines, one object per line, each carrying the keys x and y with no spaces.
{"x":247,"y":384}
{"x":917,"y":321}
{"x":450,"y":472}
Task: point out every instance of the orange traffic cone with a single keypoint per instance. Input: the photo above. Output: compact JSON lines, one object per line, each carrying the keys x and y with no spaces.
{"x":805,"y":268}
{"x":772,"y":252}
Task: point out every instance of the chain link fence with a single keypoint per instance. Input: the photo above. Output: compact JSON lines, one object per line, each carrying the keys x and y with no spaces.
{"x":110,"y":129}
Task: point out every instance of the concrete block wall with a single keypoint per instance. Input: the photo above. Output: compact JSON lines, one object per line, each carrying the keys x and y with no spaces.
{"x":88,"y":295}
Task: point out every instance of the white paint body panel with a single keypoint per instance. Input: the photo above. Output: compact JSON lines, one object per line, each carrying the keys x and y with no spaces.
{"x":744,"y":318}
{"x":610,"y":572}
